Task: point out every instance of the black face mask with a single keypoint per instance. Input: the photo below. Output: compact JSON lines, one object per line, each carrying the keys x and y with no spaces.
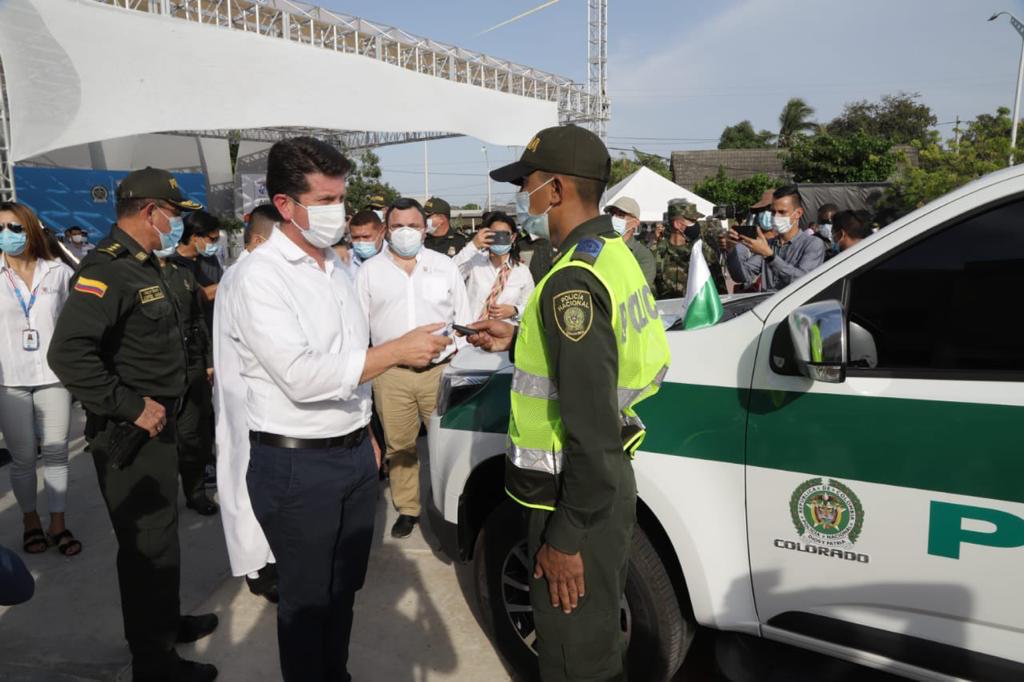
{"x":692,"y":233}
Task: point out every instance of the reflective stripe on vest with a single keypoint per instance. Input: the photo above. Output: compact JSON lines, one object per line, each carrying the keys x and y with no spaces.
{"x":534,"y":386}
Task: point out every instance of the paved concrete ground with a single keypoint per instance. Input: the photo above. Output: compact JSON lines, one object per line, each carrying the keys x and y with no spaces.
{"x":413,"y":619}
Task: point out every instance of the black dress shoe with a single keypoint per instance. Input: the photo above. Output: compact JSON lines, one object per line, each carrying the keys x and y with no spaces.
{"x":266,"y":584}
{"x":178,"y":670}
{"x":192,"y":628}
{"x":403,"y":526}
{"x":201,"y":504}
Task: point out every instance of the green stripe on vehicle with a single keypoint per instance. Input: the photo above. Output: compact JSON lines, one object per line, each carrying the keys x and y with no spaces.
{"x":954,"y":447}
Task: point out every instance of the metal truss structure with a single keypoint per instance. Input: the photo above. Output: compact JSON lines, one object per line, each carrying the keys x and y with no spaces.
{"x":307,"y":24}
{"x":597,"y":66}
{"x":7,"y":192}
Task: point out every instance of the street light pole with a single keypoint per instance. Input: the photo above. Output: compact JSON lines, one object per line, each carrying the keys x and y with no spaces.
{"x":1020,"y":78}
{"x":487,"y":163}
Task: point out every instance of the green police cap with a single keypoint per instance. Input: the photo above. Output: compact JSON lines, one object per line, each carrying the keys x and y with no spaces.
{"x":567,"y":150}
{"x":681,"y":208}
{"x":437,"y":206}
{"x":154,"y":183}
{"x":376,"y":201}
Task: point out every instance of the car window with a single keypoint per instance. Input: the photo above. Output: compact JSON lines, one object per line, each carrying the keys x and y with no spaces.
{"x":948,"y":305}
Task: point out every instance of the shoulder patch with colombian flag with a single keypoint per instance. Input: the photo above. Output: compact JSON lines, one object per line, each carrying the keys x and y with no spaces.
{"x":91,"y":286}
{"x":574,"y":313}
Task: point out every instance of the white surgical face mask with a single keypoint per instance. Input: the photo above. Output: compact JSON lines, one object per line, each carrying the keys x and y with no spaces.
{"x":536,"y":225}
{"x":326,"y":224}
{"x":781,"y":223}
{"x":826,"y":230}
{"x":619,"y":224}
{"x":77,"y":239}
{"x":432,"y":225}
{"x":406,"y":241}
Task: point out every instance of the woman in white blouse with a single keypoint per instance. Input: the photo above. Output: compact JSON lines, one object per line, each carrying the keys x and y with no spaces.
{"x":35,"y":409}
{"x":497,"y":281}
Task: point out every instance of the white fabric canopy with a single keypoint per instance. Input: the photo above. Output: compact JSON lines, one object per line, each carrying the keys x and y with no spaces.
{"x":653,"y":192}
{"x":78,"y":71}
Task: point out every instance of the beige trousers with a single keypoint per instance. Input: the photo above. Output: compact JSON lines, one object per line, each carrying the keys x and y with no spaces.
{"x":404,"y":400}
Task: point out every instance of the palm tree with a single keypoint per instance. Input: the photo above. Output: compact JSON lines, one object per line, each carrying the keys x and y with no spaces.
{"x":794,"y":120}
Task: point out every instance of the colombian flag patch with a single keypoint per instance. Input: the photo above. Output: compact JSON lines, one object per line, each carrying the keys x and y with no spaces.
{"x":91,"y":286}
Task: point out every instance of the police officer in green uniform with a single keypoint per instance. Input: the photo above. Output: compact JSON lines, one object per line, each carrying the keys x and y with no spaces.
{"x":589,"y":347}
{"x":195,"y":419}
{"x":440,"y":236}
{"x":673,"y":254}
{"x":119,"y":348}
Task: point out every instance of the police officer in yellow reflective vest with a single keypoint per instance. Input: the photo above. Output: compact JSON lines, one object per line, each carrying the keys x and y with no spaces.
{"x":589,"y":347}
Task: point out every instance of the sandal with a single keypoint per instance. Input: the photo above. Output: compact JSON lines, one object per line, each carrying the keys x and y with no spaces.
{"x":66,"y":543}
{"x":34,"y":541}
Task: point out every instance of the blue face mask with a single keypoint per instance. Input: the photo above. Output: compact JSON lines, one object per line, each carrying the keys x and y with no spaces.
{"x":500,"y":249}
{"x":168,"y":240}
{"x":764,"y":221}
{"x":365,"y":250}
{"x":537,"y":225}
{"x":12,"y":243}
{"x":211,"y":249}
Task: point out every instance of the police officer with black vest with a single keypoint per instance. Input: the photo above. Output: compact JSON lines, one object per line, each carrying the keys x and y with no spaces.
{"x":119,"y":347}
{"x":589,"y":347}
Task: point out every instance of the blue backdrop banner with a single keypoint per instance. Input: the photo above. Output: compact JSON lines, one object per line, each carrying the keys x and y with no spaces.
{"x":63,"y":197}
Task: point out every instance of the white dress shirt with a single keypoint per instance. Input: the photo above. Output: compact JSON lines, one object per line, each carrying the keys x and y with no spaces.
{"x":248,"y":550}
{"x":396,"y":303}
{"x":480,"y":276}
{"x":302,"y":342}
{"x":20,"y":367}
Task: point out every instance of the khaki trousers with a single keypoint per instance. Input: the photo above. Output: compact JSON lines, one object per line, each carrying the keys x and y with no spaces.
{"x":404,"y":400}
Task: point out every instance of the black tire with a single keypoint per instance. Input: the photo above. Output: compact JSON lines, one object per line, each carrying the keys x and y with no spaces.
{"x":658,"y":629}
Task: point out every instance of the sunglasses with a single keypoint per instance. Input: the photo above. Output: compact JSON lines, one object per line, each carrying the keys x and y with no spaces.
{"x":13,"y":227}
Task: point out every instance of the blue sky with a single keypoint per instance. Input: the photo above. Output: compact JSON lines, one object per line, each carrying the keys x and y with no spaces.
{"x":681,"y":70}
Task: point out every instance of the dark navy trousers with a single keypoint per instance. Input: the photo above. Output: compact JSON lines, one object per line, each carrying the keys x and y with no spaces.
{"x":317,"y":509}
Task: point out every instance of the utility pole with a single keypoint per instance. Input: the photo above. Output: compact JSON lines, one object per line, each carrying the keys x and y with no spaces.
{"x":487,"y":165}
{"x":956,"y":133}
{"x":7,"y":191}
{"x":1020,"y":78}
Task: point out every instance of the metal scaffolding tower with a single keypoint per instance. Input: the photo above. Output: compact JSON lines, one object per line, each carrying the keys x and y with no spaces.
{"x":6,"y":164}
{"x":597,"y":66}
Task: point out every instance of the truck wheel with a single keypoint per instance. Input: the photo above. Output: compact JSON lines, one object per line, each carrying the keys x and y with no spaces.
{"x":657,"y":630}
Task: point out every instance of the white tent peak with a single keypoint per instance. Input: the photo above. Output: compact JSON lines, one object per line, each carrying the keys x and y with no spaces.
{"x":653,"y":192}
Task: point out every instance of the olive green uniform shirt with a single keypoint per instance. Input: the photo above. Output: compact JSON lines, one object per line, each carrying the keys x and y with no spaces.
{"x":185,"y":289}
{"x":645,"y":259}
{"x":118,"y":338}
{"x":450,"y":244}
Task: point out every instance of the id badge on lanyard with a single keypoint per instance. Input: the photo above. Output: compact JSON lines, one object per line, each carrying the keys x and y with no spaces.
{"x":29,"y":336}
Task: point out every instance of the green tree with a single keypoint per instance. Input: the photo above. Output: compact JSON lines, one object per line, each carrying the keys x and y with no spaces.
{"x":743,"y":136}
{"x":984,"y":147}
{"x":898,"y":118}
{"x":794,"y":121}
{"x":858,"y":157}
{"x":471,"y":207}
{"x":364,"y":181}
{"x":722,"y":190}
{"x":624,"y":166}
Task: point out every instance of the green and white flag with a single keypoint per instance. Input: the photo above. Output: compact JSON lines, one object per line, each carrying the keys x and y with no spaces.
{"x":703,"y":307}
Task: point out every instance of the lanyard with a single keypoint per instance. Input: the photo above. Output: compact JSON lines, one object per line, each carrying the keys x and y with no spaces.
{"x":21,"y":300}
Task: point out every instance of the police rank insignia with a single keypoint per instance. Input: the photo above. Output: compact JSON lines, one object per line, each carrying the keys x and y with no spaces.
{"x":574,"y":313}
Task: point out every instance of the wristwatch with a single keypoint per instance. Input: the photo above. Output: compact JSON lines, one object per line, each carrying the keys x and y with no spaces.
{"x":769,"y":259}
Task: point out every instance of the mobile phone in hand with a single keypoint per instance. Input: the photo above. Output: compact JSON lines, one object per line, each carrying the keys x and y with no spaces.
{"x":501,"y":237}
{"x":465,"y":331}
{"x":747,"y":231}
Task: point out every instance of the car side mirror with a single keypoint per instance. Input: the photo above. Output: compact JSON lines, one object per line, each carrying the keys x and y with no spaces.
{"x":819,"y":341}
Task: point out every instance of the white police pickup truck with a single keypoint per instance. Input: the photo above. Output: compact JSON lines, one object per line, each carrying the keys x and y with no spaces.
{"x":838,"y":466}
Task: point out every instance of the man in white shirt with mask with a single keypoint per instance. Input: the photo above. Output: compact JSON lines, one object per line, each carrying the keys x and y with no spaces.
{"x":405,"y":287}
{"x":248,"y":551}
{"x":302,"y":344}
{"x":77,"y":242}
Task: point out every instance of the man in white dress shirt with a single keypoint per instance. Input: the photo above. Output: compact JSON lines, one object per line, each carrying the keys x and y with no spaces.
{"x":248,"y":551}
{"x":403,"y":288}
{"x":302,"y":343}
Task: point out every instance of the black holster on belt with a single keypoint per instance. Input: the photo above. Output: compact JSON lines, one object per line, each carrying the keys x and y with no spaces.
{"x":119,"y":442}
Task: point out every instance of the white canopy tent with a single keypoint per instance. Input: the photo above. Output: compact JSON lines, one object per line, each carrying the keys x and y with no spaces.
{"x":653,"y":192}
{"x":78,"y":71}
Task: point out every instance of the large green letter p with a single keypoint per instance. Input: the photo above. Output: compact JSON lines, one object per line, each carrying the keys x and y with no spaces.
{"x":946,"y":532}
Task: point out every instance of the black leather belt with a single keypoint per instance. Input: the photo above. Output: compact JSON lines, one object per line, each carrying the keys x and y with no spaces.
{"x":348,"y":441}
{"x":420,"y":370}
